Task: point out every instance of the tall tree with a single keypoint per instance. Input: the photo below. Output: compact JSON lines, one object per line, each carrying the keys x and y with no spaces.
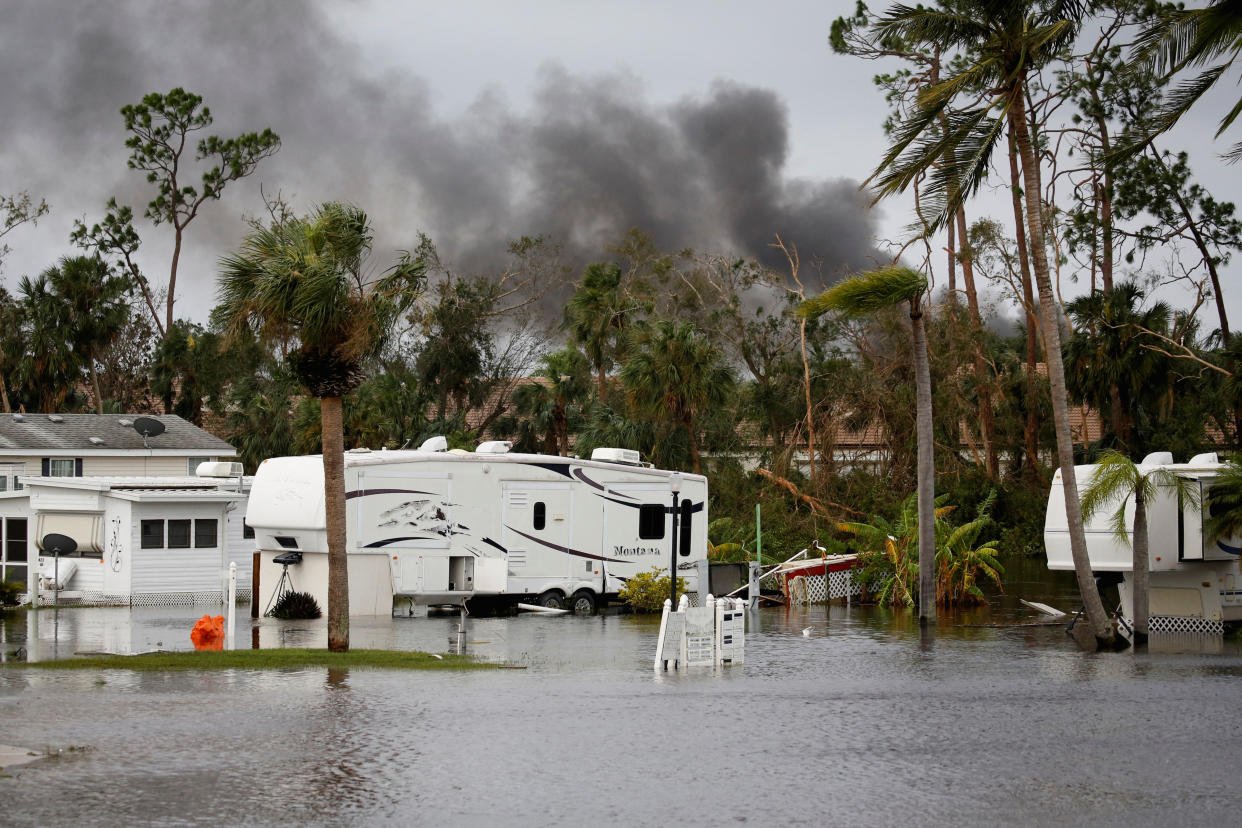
{"x":1110,"y":362}
{"x":863,"y":296}
{"x":162,"y":128}
{"x":1003,"y":43}
{"x":1181,"y":39}
{"x":554,"y":397}
{"x":596,"y":316}
{"x":15,"y":210}
{"x":674,"y":375}
{"x":96,"y":309}
{"x":305,"y":282}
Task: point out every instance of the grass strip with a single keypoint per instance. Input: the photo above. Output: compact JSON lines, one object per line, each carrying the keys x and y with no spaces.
{"x":284,"y":659}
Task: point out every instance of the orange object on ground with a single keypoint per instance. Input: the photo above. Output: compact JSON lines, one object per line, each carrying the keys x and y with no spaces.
{"x":208,"y":633}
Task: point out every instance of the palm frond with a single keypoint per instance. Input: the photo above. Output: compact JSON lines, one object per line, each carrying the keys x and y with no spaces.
{"x":868,"y":293}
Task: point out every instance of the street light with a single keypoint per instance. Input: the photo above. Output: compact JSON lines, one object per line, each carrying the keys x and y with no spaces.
{"x":674,"y":483}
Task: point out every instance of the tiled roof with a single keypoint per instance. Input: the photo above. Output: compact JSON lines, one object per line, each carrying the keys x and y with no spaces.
{"x":33,"y":432}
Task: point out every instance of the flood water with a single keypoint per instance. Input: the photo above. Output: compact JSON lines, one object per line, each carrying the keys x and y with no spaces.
{"x":859,"y":722}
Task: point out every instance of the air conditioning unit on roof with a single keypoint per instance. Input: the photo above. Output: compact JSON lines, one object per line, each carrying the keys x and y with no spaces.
{"x":627,"y":457}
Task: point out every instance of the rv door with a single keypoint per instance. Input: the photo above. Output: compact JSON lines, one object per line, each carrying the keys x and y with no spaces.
{"x":538,"y":523}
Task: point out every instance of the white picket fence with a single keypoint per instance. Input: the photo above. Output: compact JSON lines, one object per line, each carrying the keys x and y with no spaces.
{"x":707,"y":636}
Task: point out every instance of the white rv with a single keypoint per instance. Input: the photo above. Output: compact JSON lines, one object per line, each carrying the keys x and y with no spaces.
{"x":1195,"y":581}
{"x":443,"y":527}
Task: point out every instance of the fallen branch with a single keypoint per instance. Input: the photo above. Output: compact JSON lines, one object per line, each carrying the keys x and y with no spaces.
{"x":815,"y":503}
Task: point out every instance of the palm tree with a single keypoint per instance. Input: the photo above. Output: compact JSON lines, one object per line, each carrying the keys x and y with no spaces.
{"x":95,"y":308}
{"x":865,"y":295}
{"x":1184,"y":38}
{"x":675,"y":375}
{"x":1115,"y":481}
{"x":1003,"y":42}
{"x":553,"y":399}
{"x":305,"y":282}
{"x":1109,"y":367}
{"x":596,"y":316}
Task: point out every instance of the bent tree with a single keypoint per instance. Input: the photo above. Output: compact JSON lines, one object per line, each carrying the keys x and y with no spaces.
{"x":1002,"y":42}
{"x":865,"y":295}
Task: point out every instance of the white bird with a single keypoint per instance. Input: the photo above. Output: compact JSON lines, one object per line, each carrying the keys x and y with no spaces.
{"x":807,"y":632}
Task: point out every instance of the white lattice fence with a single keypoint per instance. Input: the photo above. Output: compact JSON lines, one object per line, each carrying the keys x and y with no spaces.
{"x":812,"y":589}
{"x":1182,"y":624}
{"x":148,"y":599}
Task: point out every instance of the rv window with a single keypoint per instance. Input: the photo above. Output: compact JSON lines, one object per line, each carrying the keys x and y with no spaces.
{"x":683,"y":531}
{"x":153,"y":534}
{"x":541,"y":515}
{"x":178,"y":534}
{"x":204,"y":534}
{"x":651,"y":521}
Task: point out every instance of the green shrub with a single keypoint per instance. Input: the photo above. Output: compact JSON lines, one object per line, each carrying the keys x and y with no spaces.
{"x":646,"y":591}
{"x":296,"y":605}
{"x":10,"y":593}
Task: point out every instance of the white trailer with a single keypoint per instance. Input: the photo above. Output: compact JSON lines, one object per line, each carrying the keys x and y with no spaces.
{"x":443,"y":527}
{"x":1195,"y":580}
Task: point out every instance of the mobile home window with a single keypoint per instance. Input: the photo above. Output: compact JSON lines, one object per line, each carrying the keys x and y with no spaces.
{"x":152,"y":534}
{"x":178,"y":534}
{"x":541,"y":515}
{"x":60,"y":467}
{"x":247,"y":531}
{"x":15,"y":539}
{"x":651,"y":521}
{"x":194,"y":463}
{"x":204,"y":533}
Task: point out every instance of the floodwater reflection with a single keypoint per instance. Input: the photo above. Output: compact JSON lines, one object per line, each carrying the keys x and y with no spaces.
{"x":852,"y":723}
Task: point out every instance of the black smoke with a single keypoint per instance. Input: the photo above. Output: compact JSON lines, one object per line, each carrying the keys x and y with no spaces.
{"x":588,"y":159}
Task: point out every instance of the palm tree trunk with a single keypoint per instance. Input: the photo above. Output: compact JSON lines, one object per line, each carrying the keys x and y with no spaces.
{"x":4,"y":394}
{"x":810,"y":410}
{"x":1030,"y":429}
{"x":1093,"y":606}
{"x":926,"y":471}
{"x":987,"y":420}
{"x":334,"y":508}
{"x":1139,"y":582}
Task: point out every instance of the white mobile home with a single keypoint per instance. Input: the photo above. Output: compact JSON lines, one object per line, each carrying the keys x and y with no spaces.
{"x":73,"y":446}
{"x":437,"y":526}
{"x":139,"y":541}
{"x":1195,"y":580}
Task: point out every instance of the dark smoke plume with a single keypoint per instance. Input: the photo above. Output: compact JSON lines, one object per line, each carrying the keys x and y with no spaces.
{"x":589,"y":160}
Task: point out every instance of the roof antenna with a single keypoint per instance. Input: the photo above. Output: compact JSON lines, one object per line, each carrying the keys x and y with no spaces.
{"x":148,"y":427}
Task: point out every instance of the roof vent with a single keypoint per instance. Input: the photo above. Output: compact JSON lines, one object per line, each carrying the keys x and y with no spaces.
{"x":359,"y":450}
{"x":627,"y":457}
{"x":125,"y":421}
{"x":18,"y":418}
{"x":96,"y":441}
{"x":494,"y":447}
{"x":1158,"y":458}
{"x":437,"y":443}
{"x":1209,"y":459}
{"x":56,"y":418}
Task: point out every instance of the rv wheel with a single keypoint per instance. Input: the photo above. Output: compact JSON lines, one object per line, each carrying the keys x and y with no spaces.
{"x":583,"y":602}
{"x":551,"y":599}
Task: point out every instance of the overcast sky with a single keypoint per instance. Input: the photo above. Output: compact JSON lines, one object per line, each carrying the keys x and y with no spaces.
{"x":709,"y":124}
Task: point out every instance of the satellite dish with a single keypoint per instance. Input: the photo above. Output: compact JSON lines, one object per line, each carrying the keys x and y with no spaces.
{"x":148,"y":427}
{"x":58,"y":544}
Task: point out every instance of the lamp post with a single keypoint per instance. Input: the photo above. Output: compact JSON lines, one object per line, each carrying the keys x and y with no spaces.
{"x":674,"y":483}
